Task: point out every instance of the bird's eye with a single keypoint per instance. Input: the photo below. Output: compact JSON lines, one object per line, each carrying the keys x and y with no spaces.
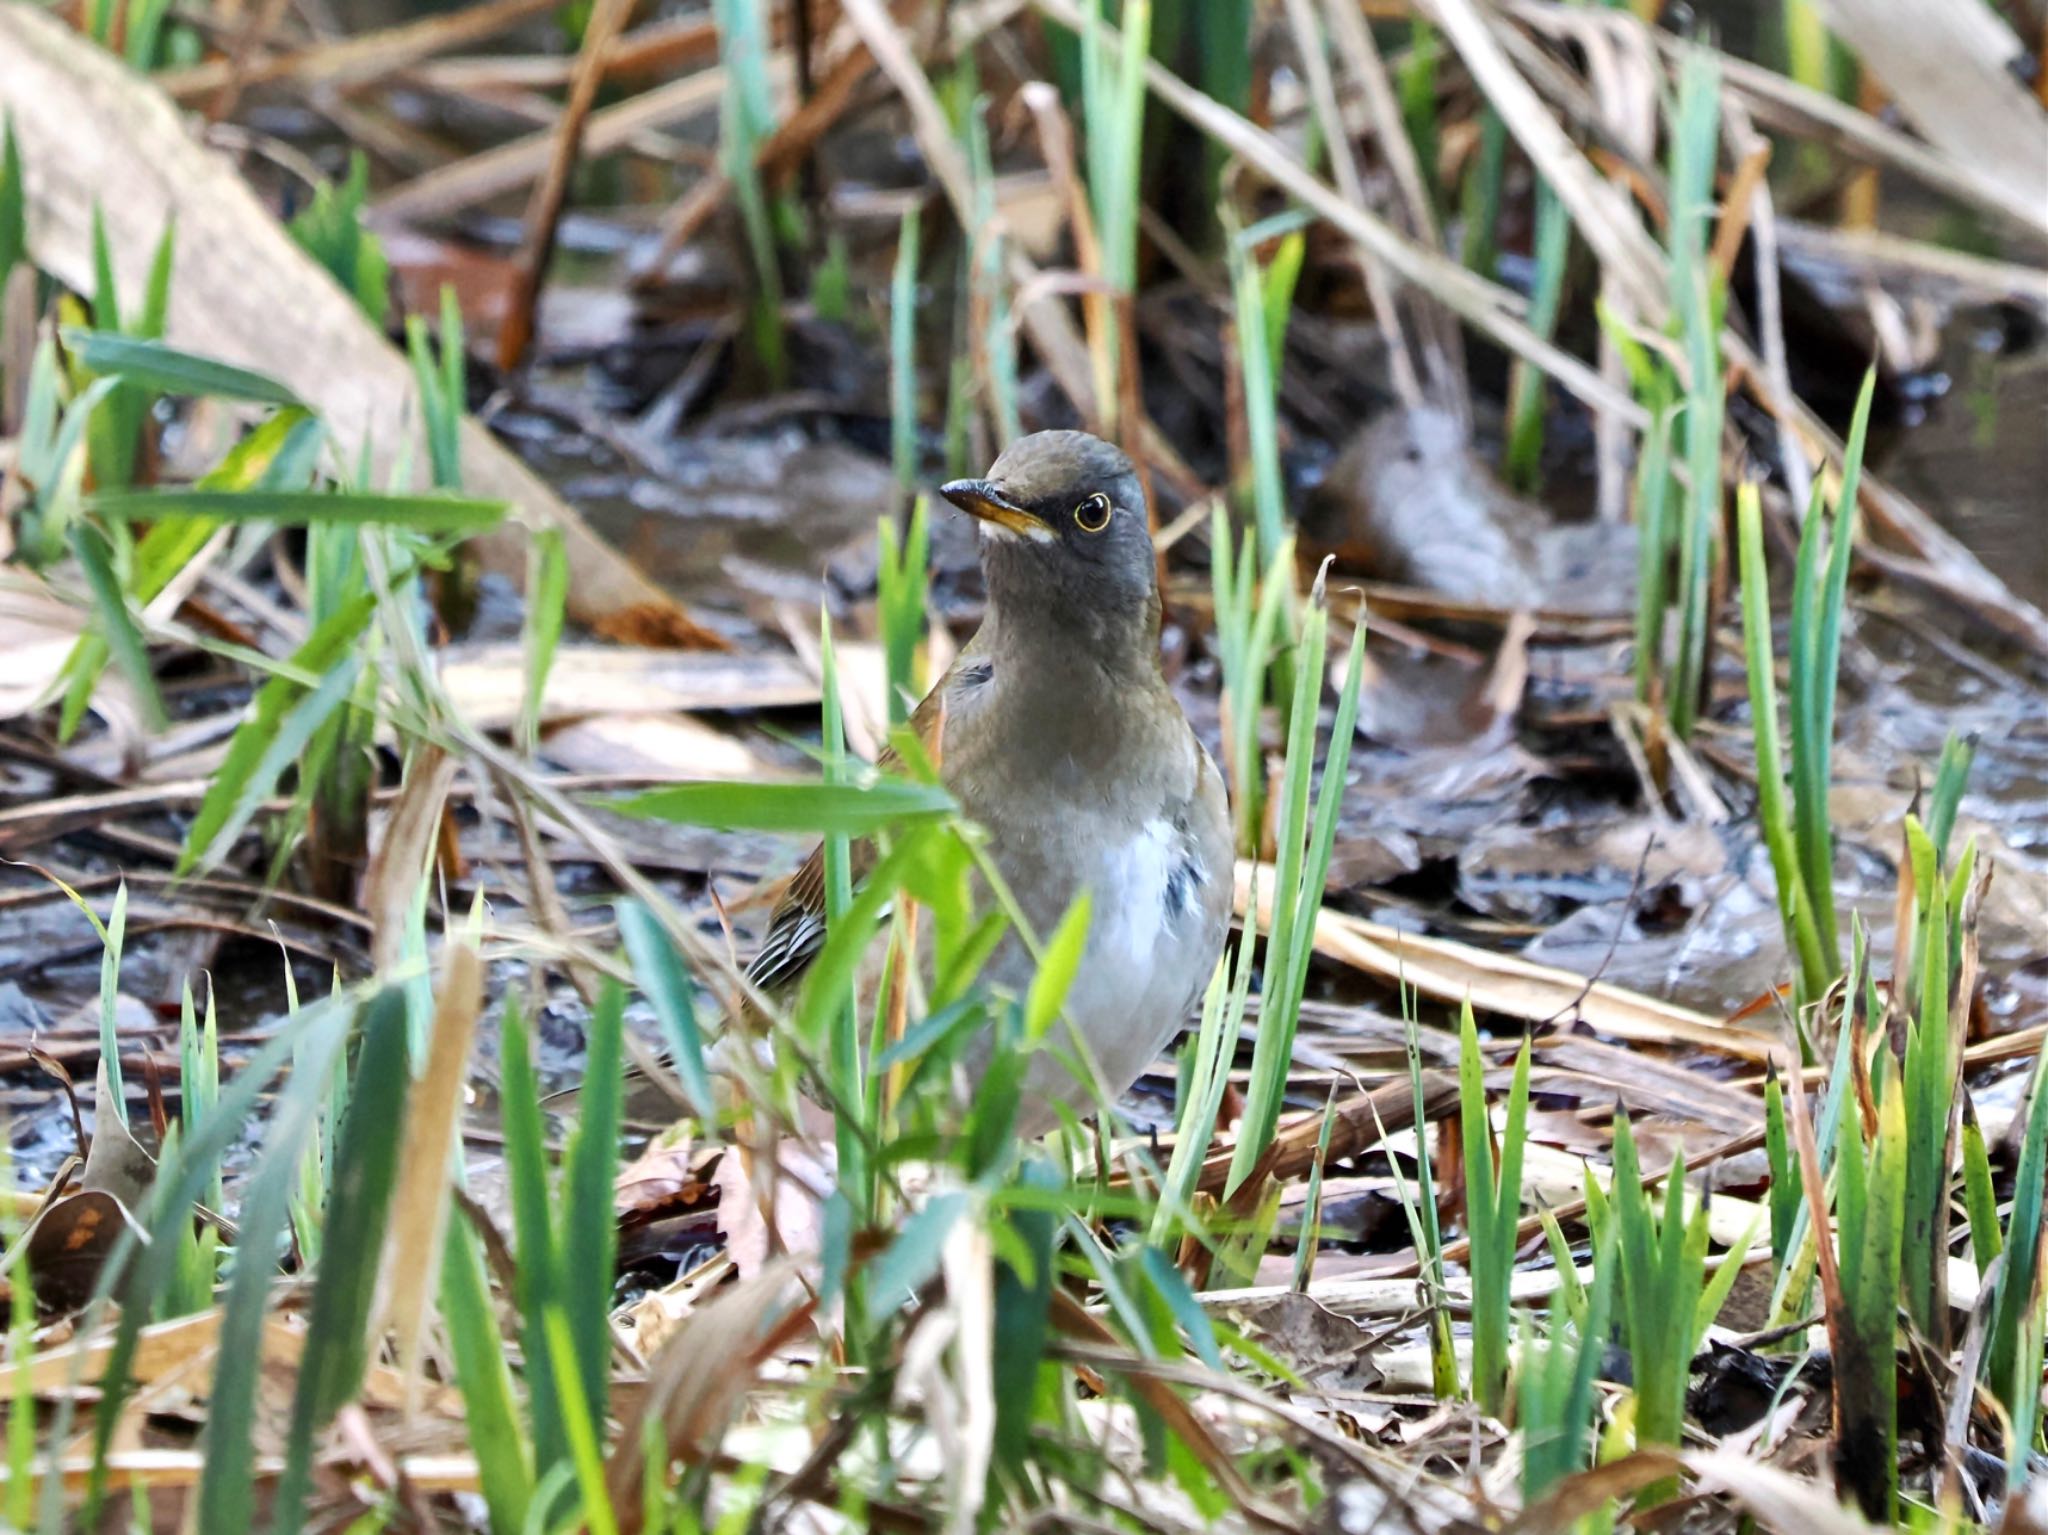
{"x":1092,"y":515}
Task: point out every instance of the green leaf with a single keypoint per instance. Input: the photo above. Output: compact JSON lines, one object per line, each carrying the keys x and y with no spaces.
{"x":117,"y":621}
{"x":13,"y":201}
{"x":585,"y":1422}
{"x":1057,"y":968}
{"x":659,"y":970}
{"x":282,"y":719}
{"x":1795,"y":901}
{"x":1023,"y":1302}
{"x":227,"y":1484}
{"x":913,"y":1257}
{"x":141,"y":1270}
{"x":584,"y":1260}
{"x":503,"y":1457}
{"x":852,"y":810}
{"x":331,"y":231}
{"x":345,"y":1284}
{"x":431,"y":513}
{"x":168,"y":370}
{"x":547,"y":600}
{"x":526,"y":1181}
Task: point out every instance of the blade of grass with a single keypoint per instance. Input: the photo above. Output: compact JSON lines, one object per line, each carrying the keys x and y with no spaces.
{"x":365,"y":1172}
{"x":503,"y":1455}
{"x":659,"y":970}
{"x":1795,"y":903}
{"x":227,"y":1483}
{"x":163,"y":369}
{"x":301,"y":508}
{"x":837,"y":809}
{"x":1299,"y":878}
{"x":118,"y":627}
{"x":547,"y":599}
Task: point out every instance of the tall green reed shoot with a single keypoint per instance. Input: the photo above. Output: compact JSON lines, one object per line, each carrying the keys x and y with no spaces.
{"x":1870,"y":1209}
{"x":1303,"y":862}
{"x":746,"y":117}
{"x":1818,"y":602}
{"x":198,"y":1097}
{"x":903,"y":583}
{"x":990,"y":287}
{"x":1792,"y":1282}
{"x":1254,"y":309}
{"x":903,"y":354}
{"x":1480,"y":196}
{"x":114,"y":436}
{"x":1415,"y":83}
{"x":1696,"y":304}
{"x":330,"y":229}
{"x":1798,"y":834}
{"x":1522,"y":462}
{"x":1796,"y":904}
{"x":1931,"y":1076}
{"x":1113,"y":108}
{"x":1249,"y":612}
{"x":1493,"y":1209}
{"x":1424,"y":1226}
{"x":1554,"y":1385}
{"x":1204,"y":1075}
{"x":2014,"y":1358}
{"x":564,"y":1238}
{"x":1667,"y":1301}
{"x":13,"y":201}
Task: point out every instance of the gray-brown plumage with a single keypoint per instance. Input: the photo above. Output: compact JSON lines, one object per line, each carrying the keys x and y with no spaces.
{"x":1057,"y":733}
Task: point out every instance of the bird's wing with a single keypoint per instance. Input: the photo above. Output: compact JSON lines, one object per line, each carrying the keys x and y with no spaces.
{"x":796,"y":928}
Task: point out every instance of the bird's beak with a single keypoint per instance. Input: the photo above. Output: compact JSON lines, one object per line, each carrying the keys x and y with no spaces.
{"x":983,"y":499}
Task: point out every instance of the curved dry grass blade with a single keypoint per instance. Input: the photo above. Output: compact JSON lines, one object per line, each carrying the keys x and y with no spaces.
{"x":419,"y":1210}
{"x":695,"y":1383}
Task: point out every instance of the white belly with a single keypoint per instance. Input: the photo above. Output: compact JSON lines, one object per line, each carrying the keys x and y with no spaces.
{"x":1151,"y":948}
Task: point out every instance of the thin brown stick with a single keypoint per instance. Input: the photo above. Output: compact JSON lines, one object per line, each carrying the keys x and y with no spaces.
{"x":544,"y":207}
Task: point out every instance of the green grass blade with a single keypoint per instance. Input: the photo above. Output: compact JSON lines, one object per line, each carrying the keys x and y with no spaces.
{"x":903,"y":352}
{"x":1795,"y":909}
{"x":526,"y":1180}
{"x":659,"y":970}
{"x":547,"y":600}
{"x":584,"y":1258}
{"x":429,"y":513}
{"x":2011,"y":1368}
{"x":168,"y":370}
{"x":503,"y":1458}
{"x":122,"y":633}
{"x":1522,"y":462}
{"x":283,"y":720}
{"x":111,"y":937}
{"x":227,"y":1483}
{"x":141,"y":1270}
{"x":365,"y":1172}
{"x":826,"y":809}
{"x":13,"y":201}
{"x":1947,"y":796}
{"x":585,"y":1422}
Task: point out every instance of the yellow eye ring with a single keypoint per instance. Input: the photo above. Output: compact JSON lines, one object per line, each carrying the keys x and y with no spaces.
{"x":1093,"y":515}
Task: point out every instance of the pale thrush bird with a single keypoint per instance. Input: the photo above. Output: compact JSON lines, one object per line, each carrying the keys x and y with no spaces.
{"x":1056,"y":732}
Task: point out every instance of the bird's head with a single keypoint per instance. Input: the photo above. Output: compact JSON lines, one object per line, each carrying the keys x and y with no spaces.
{"x":1064,"y":529}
